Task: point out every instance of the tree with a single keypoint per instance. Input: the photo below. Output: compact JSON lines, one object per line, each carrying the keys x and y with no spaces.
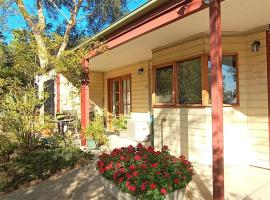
{"x":96,"y":12}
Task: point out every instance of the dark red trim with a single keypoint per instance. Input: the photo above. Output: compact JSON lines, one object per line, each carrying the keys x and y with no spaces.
{"x":217,"y":100}
{"x":268,"y":81}
{"x":58,"y":92}
{"x":85,"y":108}
{"x":165,"y":14}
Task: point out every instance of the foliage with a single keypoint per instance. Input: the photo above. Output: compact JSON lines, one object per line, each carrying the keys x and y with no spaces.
{"x":7,"y":147}
{"x":19,"y":115}
{"x":96,"y":131}
{"x":144,"y":172}
{"x":119,"y":122}
{"x":39,"y":164}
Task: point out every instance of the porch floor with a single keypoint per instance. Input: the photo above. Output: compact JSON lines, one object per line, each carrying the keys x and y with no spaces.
{"x":241,"y":183}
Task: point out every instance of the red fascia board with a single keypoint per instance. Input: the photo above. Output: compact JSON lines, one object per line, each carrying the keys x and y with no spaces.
{"x":161,"y":16}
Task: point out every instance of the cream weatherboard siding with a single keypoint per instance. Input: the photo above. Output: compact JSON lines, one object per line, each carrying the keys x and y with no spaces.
{"x":139,"y":86}
{"x":188,"y":130}
{"x":96,"y":90}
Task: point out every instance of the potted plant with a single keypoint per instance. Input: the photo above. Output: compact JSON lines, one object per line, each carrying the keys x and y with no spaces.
{"x":95,"y":133}
{"x":144,"y":173}
{"x":119,"y":123}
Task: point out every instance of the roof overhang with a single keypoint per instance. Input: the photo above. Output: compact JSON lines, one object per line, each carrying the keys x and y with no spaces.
{"x":174,"y":21}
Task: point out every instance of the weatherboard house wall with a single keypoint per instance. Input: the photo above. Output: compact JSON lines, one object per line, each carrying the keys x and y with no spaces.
{"x":187,"y":130}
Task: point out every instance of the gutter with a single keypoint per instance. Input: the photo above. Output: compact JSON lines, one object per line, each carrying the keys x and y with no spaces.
{"x":142,"y":10}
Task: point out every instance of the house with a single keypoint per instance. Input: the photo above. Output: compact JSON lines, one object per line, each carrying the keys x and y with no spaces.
{"x":164,"y":67}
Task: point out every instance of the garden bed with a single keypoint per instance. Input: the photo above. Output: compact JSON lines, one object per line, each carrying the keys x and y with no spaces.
{"x":144,"y":173}
{"x":38,"y":165}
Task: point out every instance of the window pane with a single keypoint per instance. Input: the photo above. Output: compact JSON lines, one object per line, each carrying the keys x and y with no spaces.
{"x":164,"y":84}
{"x":124,"y":91}
{"x":189,"y":82}
{"x":229,"y":75}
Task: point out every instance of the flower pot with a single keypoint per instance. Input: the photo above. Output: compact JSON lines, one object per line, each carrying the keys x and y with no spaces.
{"x":116,"y":193}
{"x":91,"y":144}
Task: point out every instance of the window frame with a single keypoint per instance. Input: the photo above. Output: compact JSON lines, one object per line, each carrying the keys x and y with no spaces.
{"x":205,"y":92}
{"x":109,"y":86}
{"x":172,"y":103}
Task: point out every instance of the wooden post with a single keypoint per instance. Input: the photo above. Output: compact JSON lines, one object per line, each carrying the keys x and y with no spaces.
{"x":84,"y":103}
{"x":217,"y":100}
{"x":268,"y":81}
{"x":58,"y":93}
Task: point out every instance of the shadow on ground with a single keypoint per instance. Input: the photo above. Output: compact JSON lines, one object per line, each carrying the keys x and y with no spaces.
{"x":82,"y":183}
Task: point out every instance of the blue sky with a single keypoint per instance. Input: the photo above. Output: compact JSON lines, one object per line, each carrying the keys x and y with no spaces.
{"x":17,"y":22}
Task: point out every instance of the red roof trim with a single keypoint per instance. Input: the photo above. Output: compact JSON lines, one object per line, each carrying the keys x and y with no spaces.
{"x":157,"y":18}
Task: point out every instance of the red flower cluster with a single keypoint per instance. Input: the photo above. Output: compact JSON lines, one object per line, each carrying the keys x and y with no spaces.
{"x":144,"y":171}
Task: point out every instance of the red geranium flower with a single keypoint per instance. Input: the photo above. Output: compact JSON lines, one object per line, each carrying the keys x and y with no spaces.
{"x":143,"y":187}
{"x":140,"y":146}
{"x":122,"y":170}
{"x":153,"y":186}
{"x":132,"y":167}
{"x":176,"y":180}
{"x":135,"y":173}
{"x":128,"y":176}
{"x":163,"y":191}
{"x":120,"y":180}
{"x":154,"y":165}
{"x":122,"y":158}
{"x":101,"y":170}
{"x":137,"y":157}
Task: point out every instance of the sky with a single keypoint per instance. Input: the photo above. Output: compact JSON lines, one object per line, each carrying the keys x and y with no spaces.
{"x":17,"y":22}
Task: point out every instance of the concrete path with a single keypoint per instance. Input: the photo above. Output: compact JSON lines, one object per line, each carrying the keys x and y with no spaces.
{"x":77,"y":184}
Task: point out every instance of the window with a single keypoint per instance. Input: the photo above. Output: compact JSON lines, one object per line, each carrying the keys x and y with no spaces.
{"x":189,"y":82}
{"x":229,"y":75}
{"x":120,"y":96}
{"x":164,"y":84}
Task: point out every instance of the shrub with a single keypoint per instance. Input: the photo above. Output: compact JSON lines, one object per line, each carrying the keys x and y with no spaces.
{"x":39,"y":164}
{"x":144,"y":172}
{"x":19,"y":115}
{"x":119,"y":122}
{"x":7,"y":148}
{"x":96,"y":131}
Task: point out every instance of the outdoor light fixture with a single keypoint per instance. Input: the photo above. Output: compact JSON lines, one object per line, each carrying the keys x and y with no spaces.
{"x":255,"y":46}
{"x":140,"y":71}
{"x":208,"y":2}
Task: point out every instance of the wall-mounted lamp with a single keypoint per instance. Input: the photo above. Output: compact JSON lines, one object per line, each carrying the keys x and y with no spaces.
{"x":140,"y":71}
{"x":255,"y":46}
{"x":208,"y":2}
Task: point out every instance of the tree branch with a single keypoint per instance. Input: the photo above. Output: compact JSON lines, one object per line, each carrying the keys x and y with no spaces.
{"x":26,"y":15}
{"x":61,"y":12}
{"x":71,"y":23}
{"x":41,"y":18}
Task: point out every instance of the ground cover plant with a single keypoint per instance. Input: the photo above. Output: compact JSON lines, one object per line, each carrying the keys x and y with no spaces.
{"x":19,"y":166}
{"x":144,"y":172}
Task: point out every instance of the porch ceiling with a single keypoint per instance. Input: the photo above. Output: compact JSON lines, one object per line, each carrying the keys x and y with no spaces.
{"x":237,"y":16}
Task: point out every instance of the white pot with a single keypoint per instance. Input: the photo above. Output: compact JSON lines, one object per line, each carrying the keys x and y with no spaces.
{"x":119,"y":195}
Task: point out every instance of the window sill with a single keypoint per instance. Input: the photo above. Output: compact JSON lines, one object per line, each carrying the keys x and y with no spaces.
{"x":193,"y":106}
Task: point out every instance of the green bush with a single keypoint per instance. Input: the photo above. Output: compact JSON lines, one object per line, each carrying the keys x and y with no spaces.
{"x":119,"y":122}
{"x":19,"y":115}
{"x":39,"y":164}
{"x":96,"y":131}
{"x":7,"y":148}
